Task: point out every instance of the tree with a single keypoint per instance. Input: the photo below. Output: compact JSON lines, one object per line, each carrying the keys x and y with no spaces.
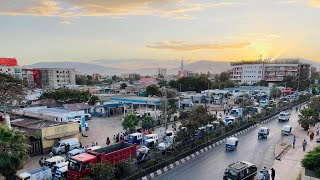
{"x":123,"y":85}
{"x":163,"y":83}
{"x":11,"y":90}
{"x":66,"y":96}
{"x":152,"y":90}
{"x":14,"y":149}
{"x":103,"y":171}
{"x":275,"y":92}
{"x":93,"y":100}
{"x":148,"y":122}
{"x":311,"y":160}
{"x":130,"y":122}
{"x":308,"y":117}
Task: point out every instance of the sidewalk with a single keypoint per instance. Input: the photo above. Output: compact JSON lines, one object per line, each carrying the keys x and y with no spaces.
{"x":289,"y":166}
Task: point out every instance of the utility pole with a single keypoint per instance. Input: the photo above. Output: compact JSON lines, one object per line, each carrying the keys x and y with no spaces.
{"x":165,"y":109}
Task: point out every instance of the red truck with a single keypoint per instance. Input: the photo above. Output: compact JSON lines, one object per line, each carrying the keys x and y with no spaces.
{"x":80,"y":165}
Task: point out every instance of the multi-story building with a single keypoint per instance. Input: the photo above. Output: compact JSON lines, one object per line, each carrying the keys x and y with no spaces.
{"x":162,"y":72}
{"x":27,"y":75}
{"x":10,"y":66}
{"x":270,"y":71}
{"x":55,"y":77}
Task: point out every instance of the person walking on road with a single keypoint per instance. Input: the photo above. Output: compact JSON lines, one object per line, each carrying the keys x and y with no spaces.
{"x":41,"y":161}
{"x":273,"y":173}
{"x":261,"y":176}
{"x":108,"y":141}
{"x":294,"y":141}
{"x":304,"y":144}
{"x":311,"y":136}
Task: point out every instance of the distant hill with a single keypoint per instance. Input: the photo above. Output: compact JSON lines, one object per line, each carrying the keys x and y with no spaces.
{"x":214,"y":67}
{"x":84,"y":68}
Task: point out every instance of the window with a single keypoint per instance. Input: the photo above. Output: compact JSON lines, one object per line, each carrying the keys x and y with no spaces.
{"x":57,"y":76}
{"x":58,"y":80}
{"x":9,"y":69}
{"x":57,"y":71}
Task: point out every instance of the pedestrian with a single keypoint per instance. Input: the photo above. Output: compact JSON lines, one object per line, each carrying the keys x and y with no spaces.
{"x":92,"y":144}
{"x":216,"y":112}
{"x":44,"y":161}
{"x":261,"y":176}
{"x":96,"y":143}
{"x":273,"y":173}
{"x":41,"y":161}
{"x":114,"y":138}
{"x":50,"y":154}
{"x":80,"y":145}
{"x":294,"y":141}
{"x":311,"y":136}
{"x":68,"y":147}
{"x":108,"y":141}
{"x":304,"y":144}
{"x":174,"y":126}
{"x":224,"y":111}
{"x":117,"y":138}
{"x":318,"y":131}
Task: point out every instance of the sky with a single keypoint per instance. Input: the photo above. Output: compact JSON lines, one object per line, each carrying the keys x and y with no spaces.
{"x":158,"y":30}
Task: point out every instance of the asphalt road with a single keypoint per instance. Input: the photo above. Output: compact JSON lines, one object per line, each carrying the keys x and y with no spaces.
{"x":211,"y":165}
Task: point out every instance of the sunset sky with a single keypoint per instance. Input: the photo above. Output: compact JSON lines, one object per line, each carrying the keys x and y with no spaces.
{"x":89,"y":30}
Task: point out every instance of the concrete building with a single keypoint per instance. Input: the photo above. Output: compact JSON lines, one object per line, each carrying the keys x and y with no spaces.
{"x":42,"y":134}
{"x":56,"y":77}
{"x":53,"y":114}
{"x":162,"y":72}
{"x":10,"y":66}
{"x":27,"y":75}
{"x":147,"y":81}
{"x":251,"y":72}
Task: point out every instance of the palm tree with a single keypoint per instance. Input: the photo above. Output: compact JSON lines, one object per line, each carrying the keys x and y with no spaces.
{"x":130,"y":122}
{"x":14,"y":150}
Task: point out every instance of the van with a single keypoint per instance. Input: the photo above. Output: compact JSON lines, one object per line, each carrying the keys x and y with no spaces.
{"x":53,"y":161}
{"x":87,"y":116}
{"x":60,"y":147}
{"x":152,"y":136}
{"x":284,"y":116}
{"x":58,"y":166}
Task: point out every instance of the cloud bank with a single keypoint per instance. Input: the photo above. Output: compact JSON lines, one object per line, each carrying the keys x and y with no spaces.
{"x":183,"y":46}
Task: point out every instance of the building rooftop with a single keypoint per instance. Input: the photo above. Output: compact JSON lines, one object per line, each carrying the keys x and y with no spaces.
{"x":76,"y":106}
{"x":267,"y":61}
{"x":34,"y":123}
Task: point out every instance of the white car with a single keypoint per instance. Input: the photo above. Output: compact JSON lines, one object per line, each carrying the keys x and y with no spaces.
{"x":166,"y":144}
{"x":143,"y":149}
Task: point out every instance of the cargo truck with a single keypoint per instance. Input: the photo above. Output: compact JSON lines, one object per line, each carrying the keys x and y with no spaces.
{"x":80,"y":165}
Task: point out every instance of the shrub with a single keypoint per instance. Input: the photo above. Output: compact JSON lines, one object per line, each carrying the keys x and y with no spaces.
{"x":311,"y":160}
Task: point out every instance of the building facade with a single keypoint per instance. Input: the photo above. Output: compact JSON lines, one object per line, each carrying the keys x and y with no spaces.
{"x":27,"y":75}
{"x":162,"y":72}
{"x":270,"y":71}
{"x":10,"y":66}
{"x":56,"y":77}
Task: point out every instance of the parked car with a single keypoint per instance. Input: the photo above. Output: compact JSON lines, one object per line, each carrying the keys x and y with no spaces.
{"x":51,"y":162}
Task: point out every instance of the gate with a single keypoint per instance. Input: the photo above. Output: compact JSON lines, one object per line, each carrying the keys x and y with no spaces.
{"x":35,"y":146}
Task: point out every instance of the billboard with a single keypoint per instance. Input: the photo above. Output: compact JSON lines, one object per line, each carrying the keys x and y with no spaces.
{"x":8,"y":62}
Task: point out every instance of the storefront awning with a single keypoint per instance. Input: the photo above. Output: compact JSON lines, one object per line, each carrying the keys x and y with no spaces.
{"x":61,"y":135}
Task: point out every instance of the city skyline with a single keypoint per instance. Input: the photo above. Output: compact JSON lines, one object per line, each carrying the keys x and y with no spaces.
{"x":84,"y":31}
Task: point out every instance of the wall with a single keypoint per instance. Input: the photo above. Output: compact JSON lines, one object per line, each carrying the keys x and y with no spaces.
{"x":56,"y":130}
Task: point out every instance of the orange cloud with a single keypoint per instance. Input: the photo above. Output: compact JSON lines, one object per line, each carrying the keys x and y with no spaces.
{"x":315,"y":3}
{"x":182,"y":46}
{"x":178,"y":9}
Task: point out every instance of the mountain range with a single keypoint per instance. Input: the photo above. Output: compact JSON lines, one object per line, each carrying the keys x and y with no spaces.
{"x":90,"y":68}
{"x":106,"y":68}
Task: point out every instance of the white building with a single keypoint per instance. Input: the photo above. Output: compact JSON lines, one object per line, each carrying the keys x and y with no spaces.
{"x":270,"y":71}
{"x":12,"y":70}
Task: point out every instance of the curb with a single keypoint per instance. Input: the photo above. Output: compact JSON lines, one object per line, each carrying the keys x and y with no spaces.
{"x":204,"y":150}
